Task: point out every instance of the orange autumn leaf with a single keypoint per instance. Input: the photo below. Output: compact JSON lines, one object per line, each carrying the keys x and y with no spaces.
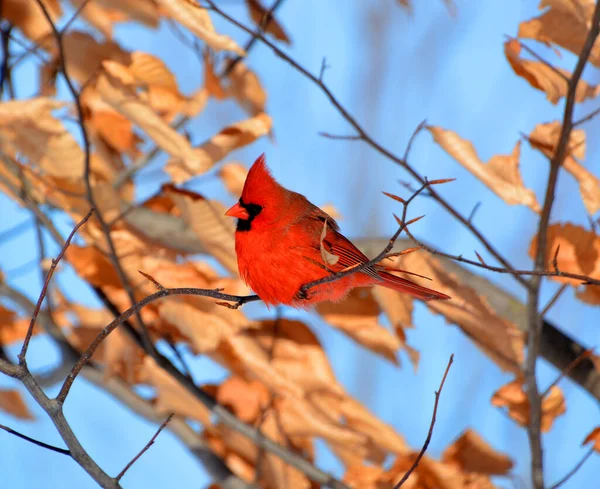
{"x":212,"y":82}
{"x":500,"y":339}
{"x":207,"y":219}
{"x":358,"y":317}
{"x":500,"y":174}
{"x":29,"y":18}
{"x":247,"y":399}
{"x":564,"y":23}
{"x":105,"y":13}
{"x":579,"y":253}
{"x":545,"y":137}
{"x":218,"y":147}
{"x":12,"y":403}
{"x":171,"y":396}
{"x":594,"y":438}
{"x":197,"y":19}
{"x":544,"y":78}
{"x":513,"y":397}
{"x":471,"y":453}
{"x":234,"y":177}
{"x":92,"y":266}
{"x":258,"y":15}
{"x":245,"y":86}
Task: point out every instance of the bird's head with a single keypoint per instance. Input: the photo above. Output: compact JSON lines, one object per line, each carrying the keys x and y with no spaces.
{"x":262,"y":199}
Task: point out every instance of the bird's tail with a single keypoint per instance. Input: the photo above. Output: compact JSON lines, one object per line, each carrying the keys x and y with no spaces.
{"x":402,"y":285}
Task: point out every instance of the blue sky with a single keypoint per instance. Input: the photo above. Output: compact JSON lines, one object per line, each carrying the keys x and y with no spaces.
{"x":391,"y":70}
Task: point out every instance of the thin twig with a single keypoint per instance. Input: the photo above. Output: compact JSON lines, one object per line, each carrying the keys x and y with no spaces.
{"x":36,"y":442}
{"x":23,"y":353}
{"x":585,"y":279}
{"x":553,"y":300}
{"x":574,"y":470}
{"x":430,"y":433}
{"x":534,"y":319}
{"x":148,"y":445}
{"x":585,"y":354}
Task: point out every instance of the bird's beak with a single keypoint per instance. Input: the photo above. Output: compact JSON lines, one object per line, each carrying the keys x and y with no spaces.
{"x":238,"y":211}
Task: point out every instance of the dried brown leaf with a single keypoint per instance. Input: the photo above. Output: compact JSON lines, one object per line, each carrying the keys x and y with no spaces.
{"x":234,"y":177}
{"x":565,"y":23}
{"x":247,"y":399}
{"x":593,"y":437}
{"x":92,"y":266}
{"x":29,"y":128}
{"x":12,"y":403}
{"x":357,"y":316}
{"x":471,"y":453}
{"x":245,"y":86}
{"x":545,"y":137}
{"x":501,"y":174}
{"x":579,"y":253}
{"x":196,"y":18}
{"x":103,"y":14}
{"x":171,"y":396}
{"x":218,"y":147}
{"x":544,"y":78}
{"x":513,"y":397}
{"x":500,"y":339}
{"x":207,"y":218}
{"x":258,"y":15}
{"x":29,"y":18}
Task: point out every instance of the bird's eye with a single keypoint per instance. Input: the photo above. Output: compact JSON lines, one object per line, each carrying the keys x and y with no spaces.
{"x":252,"y":209}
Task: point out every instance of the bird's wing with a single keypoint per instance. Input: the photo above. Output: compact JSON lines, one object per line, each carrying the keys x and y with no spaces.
{"x":347,"y":254}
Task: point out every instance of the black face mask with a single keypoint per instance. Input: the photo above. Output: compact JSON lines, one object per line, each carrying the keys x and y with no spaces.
{"x":253,"y":210}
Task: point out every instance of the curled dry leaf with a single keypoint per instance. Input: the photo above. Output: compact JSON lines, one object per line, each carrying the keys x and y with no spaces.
{"x":196,"y":18}
{"x":501,"y":174}
{"x":246,"y":88}
{"x":29,"y":18}
{"x":105,"y":13}
{"x":545,"y":137}
{"x":358,"y":317}
{"x":398,"y":308}
{"x":258,"y":15}
{"x":579,"y":253}
{"x":565,"y":23}
{"x":247,"y":399}
{"x":233,"y":176}
{"x":207,"y":218}
{"x":544,"y":78}
{"x":594,"y":438}
{"x":513,"y":397}
{"x":205,"y":331}
{"x":171,"y":396}
{"x":471,"y":453}
{"x":12,"y":329}
{"x":500,"y":339}
{"x":92,"y":266}
{"x":212,"y":82}
{"x":29,"y":128}
{"x":218,"y":147}
{"x":12,"y":403}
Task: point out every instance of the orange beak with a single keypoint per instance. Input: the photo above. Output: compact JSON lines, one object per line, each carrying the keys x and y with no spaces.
{"x":238,"y":211}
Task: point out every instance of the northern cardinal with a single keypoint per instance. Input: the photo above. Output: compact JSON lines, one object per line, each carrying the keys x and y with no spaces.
{"x":283,"y":241}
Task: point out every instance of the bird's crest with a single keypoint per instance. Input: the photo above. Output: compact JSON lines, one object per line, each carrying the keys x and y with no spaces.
{"x":260,"y":184}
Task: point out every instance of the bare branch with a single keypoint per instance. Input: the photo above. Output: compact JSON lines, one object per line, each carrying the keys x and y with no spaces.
{"x":55,"y":262}
{"x":574,"y":470}
{"x":148,"y":445}
{"x":430,"y":433}
{"x":35,"y":442}
{"x":533,"y":315}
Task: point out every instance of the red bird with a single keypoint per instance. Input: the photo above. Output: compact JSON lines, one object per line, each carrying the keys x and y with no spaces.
{"x":283,"y":241}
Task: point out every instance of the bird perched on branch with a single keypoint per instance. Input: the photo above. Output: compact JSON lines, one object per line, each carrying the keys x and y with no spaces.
{"x":283,"y":242}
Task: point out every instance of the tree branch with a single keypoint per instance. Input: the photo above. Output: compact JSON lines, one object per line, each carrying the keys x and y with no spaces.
{"x":533,"y":315}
